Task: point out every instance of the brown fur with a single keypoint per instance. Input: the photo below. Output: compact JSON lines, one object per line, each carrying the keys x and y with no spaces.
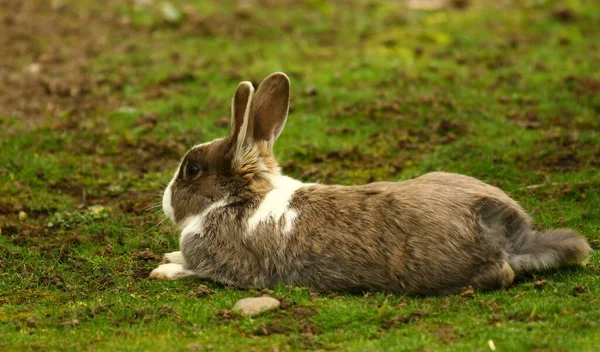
{"x":431,"y":235}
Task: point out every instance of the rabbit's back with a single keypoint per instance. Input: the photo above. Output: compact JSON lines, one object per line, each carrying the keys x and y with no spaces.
{"x":416,"y":236}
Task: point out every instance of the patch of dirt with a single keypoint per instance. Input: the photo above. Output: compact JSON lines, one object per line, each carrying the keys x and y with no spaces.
{"x":397,"y":110}
{"x":49,"y":75}
{"x":7,"y":208}
{"x":583,"y":85}
{"x":445,"y":333}
{"x":46,"y":79}
{"x":141,"y":273}
{"x":293,"y":318}
{"x":51,"y":280}
{"x":151,"y":154}
{"x":562,"y":153}
{"x":24,"y":234}
{"x":201,"y":291}
{"x":527,"y":119}
{"x":65,"y":186}
{"x":564,"y":14}
{"x":146,"y":255}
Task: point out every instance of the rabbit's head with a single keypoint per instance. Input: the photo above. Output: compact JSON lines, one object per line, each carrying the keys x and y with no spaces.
{"x":240,"y":166}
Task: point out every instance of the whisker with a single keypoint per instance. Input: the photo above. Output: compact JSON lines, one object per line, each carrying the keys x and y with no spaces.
{"x":150,"y":214}
{"x":152,"y":206}
{"x":155,"y":226}
{"x":147,"y":193}
{"x":161,"y":182}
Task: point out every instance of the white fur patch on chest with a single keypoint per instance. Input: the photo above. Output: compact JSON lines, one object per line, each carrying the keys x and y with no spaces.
{"x":275,"y":206}
{"x":195,"y":224}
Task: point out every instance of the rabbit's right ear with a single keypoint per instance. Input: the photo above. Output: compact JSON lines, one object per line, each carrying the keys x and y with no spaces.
{"x":242,"y":126}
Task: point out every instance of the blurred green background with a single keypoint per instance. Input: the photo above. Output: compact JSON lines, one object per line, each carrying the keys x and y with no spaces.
{"x":99,"y":100}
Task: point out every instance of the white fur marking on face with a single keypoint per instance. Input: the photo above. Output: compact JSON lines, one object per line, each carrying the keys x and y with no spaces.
{"x":194,"y":224}
{"x":167,"y":199}
{"x":276,"y":204}
{"x":171,"y":271}
{"x":168,"y":193}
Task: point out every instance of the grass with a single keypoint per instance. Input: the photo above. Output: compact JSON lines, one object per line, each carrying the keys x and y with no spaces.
{"x":506,"y":93}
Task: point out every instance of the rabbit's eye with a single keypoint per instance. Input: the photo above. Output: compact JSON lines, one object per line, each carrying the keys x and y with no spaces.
{"x":192,"y":170}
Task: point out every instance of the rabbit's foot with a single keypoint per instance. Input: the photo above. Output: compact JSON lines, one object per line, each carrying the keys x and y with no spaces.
{"x":173,"y":257}
{"x":171,"y":271}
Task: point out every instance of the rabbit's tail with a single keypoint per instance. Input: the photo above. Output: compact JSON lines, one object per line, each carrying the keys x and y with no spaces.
{"x":530,"y":250}
{"x":527,"y":249}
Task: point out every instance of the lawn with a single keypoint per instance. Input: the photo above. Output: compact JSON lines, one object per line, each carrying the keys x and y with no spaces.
{"x":99,"y":101}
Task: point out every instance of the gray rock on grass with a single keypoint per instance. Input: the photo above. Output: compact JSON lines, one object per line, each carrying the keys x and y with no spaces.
{"x":253,"y":306}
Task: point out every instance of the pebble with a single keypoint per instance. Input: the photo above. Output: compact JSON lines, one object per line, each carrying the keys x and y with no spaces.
{"x":253,"y":306}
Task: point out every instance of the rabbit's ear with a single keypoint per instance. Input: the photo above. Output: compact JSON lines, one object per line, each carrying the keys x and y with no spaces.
{"x":241,"y":121}
{"x":270,"y":107}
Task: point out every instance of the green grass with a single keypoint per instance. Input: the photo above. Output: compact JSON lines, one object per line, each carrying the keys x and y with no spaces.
{"x":506,"y":93}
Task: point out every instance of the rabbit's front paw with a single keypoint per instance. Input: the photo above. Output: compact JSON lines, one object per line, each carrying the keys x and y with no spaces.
{"x":173,"y":257}
{"x":170,"y":271}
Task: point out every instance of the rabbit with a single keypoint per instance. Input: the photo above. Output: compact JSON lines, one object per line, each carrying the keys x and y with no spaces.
{"x":246,"y":225}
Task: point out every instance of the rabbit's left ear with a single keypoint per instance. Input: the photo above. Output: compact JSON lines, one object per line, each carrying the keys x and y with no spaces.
{"x":270,"y":107}
{"x":241,"y":121}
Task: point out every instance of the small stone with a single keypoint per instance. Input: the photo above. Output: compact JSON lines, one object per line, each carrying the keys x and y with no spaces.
{"x":253,"y":306}
{"x":22,"y":215}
